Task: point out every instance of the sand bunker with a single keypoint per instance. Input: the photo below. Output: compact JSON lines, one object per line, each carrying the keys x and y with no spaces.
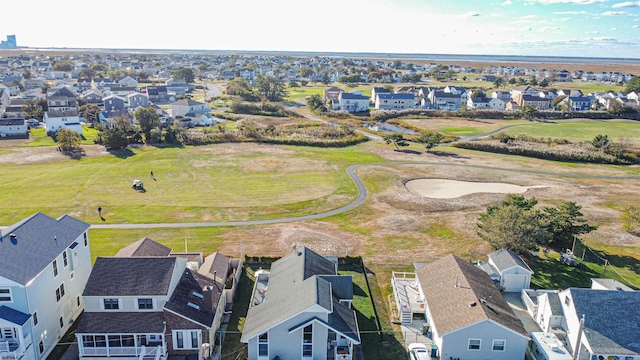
{"x":449,"y":189}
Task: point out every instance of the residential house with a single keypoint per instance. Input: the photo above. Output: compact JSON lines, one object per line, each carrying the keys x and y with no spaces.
{"x":158,"y":94}
{"x":331,"y":94}
{"x":189,"y":108}
{"x":442,"y":100}
{"x":353,"y":103}
{"x":508,"y":270}
{"x":535,"y":102}
{"x":467,"y":315}
{"x":54,"y":120}
{"x":577,"y":103}
{"x":13,"y":127}
{"x":121,"y":91}
{"x":62,"y":99}
{"x":92,"y":97}
{"x":502,"y":95}
{"x":301,"y":309}
{"x":32,"y":83}
{"x":395,"y":101}
{"x":101,"y":83}
{"x":147,"y":302}
{"x":113,"y":103}
{"x":479,"y":103}
{"x":137,"y":100}
{"x":497,"y":104}
{"x":12,"y":88}
{"x":378,"y":90}
{"x":519,"y":91}
{"x":610,"y":320}
{"x":608,"y":284}
{"x":5,"y":98}
{"x":128,"y":81}
{"x":83,"y":84}
{"x":44,"y":266}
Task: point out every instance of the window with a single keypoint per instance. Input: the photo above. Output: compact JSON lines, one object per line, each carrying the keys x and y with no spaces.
{"x":61,"y":322}
{"x":55,"y":268}
{"x":179,"y":340}
{"x":86,"y":240}
{"x":5,"y":295}
{"x":111,"y":304}
{"x":35,"y":318}
{"x":567,"y":301}
{"x":65,"y":261}
{"x":474,"y":344}
{"x":263,"y":345}
{"x":41,"y":347}
{"x":60,"y":292}
{"x":145,"y":304}
{"x":72,"y":275}
{"x":194,"y":340}
{"x":92,"y":341}
{"x":307,"y":341}
{"x":186,"y":339}
{"x":499,"y":345}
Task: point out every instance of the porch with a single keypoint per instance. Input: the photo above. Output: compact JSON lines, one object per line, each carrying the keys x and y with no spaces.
{"x":14,"y":344}
{"x":409,"y":299}
{"x":134,"y":346}
{"x":339,"y":347}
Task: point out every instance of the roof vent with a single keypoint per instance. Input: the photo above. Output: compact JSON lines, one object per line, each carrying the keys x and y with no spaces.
{"x":194,"y":306}
{"x":472,"y":304}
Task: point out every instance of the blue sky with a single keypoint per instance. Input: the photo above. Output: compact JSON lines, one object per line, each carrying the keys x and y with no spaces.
{"x":587,"y":28}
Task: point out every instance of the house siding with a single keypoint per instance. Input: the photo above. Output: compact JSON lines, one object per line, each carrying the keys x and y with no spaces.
{"x":455,"y":344}
{"x":176,"y":322}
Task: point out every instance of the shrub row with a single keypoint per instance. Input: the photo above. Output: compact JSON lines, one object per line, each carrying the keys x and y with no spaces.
{"x":383,"y":115}
{"x":563,"y":152}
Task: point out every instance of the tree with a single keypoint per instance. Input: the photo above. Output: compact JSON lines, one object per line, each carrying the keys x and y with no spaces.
{"x":270,"y":88}
{"x":306,"y":71}
{"x":631,"y":219}
{"x":87,"y":73}
{"x":557,"y":100}
{"x":533,"y":81}
{"x":633,"y":85}
{"x":512,"y":81}
{"x":429,"y":140}
{"x":478,"y":94}
{"x":293,"y":84}
{"x":325,"y":78}
{"x":148,"y":120}
{"x":26,"y":74}
{"x":498,"y":82}
{"x":32,"y":110}
{"x":544,"y":82}
{"x":113,"y":138}
{"x":513,"y":224}
{"x":89,"y":111}
{"x":68,"y":139}
{"x":65,"y":65}
{"x":184,"y":73}
{"x":240,"y":87}
{"x":564,"y":222}
{"x":315,"y":103}
{"x":396,"y":139}
{"x":600,"y":142}
{"x":527,"y":111}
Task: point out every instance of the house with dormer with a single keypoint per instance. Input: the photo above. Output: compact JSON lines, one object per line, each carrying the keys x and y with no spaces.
{"x":148,"y":302}
{"x":301,"y":309}
{"x":44,"y":265}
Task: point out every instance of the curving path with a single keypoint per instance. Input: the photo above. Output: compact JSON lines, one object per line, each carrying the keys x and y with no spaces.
{"x":360,"y":199}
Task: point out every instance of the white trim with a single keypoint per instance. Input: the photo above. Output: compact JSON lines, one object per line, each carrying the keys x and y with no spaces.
{"x":302,"y":343}
{"x":258,"y":345}
{"x":504,"y":345}
{"x":102,"y":307}
{"x":469,"y":344}
{"x":318,"y":308}
{"x":186,"y":339}
{"x":311,"y":321}
{"x":184,"y":317}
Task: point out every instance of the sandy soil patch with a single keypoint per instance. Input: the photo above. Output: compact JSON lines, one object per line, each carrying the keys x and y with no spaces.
{"x":45,"y":154}
{"x":450,"y":189}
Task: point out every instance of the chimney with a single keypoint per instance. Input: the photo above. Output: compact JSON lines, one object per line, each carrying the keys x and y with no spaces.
{"x":208,"y":298}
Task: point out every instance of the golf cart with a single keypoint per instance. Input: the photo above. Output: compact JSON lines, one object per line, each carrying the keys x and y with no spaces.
{"x":138,"y":185}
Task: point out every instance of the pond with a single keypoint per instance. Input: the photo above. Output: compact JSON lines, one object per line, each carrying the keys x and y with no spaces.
{"x":390,"y":128}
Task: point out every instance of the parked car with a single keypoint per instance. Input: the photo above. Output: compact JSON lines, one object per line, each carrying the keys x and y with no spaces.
{"x":33,"y":122}
{"x":417,"y":351}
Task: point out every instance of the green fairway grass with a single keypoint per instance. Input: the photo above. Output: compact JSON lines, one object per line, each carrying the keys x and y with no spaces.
{"x":39,"y":137}
{"x":581,"y":130}
{"x":193,"y":184}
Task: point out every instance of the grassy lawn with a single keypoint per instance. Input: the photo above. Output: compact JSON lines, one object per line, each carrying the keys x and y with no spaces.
{"x":39,"y":137}
{"x":462,"y":127}
{"x":232,"y":348}
{"x":581,"y":130}
{"x":194,"y":184}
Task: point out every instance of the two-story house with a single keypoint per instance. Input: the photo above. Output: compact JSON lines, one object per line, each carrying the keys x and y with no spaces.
{"x":44,"y":266}
{"x":394,"y":101}
{"x":301,"y":309}
{"x":353,"y":103}
{"x":137,"y":100}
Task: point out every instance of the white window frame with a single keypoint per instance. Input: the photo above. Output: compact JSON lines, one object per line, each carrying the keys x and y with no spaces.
{"x":9,"y":294}
{"x":56,"y":271}
{"x":310,"y":344}
{"x":504,"y":345}
{"x":102,"y":304}
{"x":263,"y":343}
{"x":186,"y":339}
{"x":153,"y":303}
{"x":479,"y":344}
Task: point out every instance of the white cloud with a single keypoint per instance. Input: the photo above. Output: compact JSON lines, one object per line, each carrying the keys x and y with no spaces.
{"x":626,"y":4}
{"x":614,"y":29}
{"x":636,"y":26}
{"x":615,"y":13}
{"x":592,"y":32}
{"x":495,"y":15}
{"x":569,"y":13}
{"x":507,"y":3}
{"x":528,"y":17}
{"x":472,"y":14}
{"x":563,"y":19}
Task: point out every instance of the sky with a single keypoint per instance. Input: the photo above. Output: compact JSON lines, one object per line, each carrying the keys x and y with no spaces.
{"x":578,"y":28}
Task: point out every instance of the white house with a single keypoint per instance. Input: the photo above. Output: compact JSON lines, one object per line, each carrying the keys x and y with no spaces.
{"x":188,"y":106}
{"x":128,"y":81}
{"x":508,"y":270}
{"x":353,"y":103}
{"x":62,"y":119}
{"x":395,"y":101}
{"x":44,"y":266}
{"x":302,"y":310}
{"x":467,"y":315}
{"x":148,"y":302}
{"x":13,"y":127}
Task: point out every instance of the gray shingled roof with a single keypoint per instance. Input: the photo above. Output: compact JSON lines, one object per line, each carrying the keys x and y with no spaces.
{"x":293,"y":287}
{"x":449,"y":305}
{"x":505,"y":259}
{"x":612,"y":320}
{"x":39,"y":240}
{"x":130,"y":276}
{"x":183,"y":294}
{"x":121,"y":322}
{"x":341,"y":286}
{"x":144,"y":247}
{"x":389,"y":96}
{"x":13,"y":316}
{"x":344,"y":320}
